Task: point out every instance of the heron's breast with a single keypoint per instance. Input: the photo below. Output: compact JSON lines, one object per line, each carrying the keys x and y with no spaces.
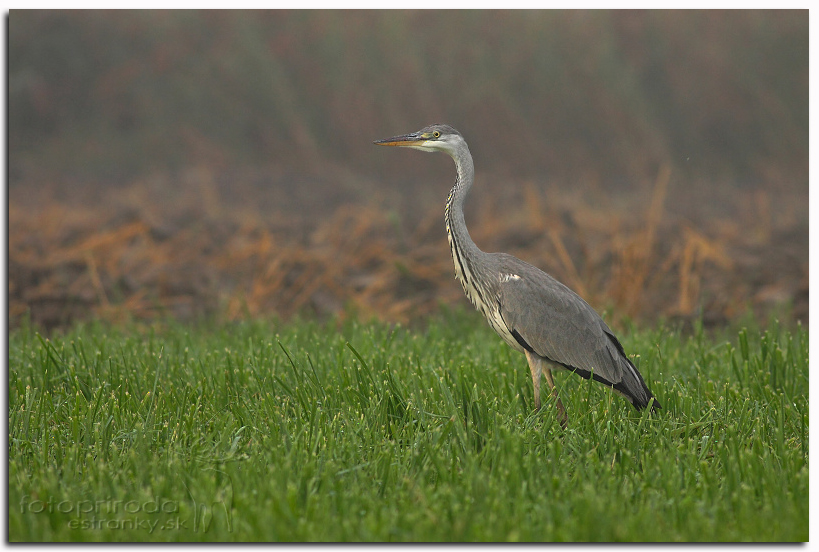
{"x":496,"y":321}
{"x":478,"y":297}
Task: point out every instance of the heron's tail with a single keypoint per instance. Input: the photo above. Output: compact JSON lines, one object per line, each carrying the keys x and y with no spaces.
{"x":631,"y":384}
{"x":634,"y":388}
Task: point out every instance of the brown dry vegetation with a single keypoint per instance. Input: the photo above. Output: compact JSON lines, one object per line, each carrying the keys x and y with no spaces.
{"x":196,"y":252}
{"x":197,"y":163}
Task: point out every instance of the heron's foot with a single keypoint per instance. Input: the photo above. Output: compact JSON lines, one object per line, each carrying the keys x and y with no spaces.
{"x":562,"y":417}
{"x":561,"y":414}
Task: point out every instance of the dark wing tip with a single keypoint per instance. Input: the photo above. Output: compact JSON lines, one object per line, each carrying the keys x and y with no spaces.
{"x":643,"y":404}
{"x":640,"y":401}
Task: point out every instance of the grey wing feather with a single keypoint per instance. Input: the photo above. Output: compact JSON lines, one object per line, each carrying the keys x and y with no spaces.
{"x":559,"y":326}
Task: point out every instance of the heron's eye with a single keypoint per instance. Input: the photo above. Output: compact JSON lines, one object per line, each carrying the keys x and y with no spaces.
{"x":436,"y":134}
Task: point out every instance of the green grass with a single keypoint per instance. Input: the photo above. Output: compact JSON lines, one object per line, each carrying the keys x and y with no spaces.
{"x":366,"y":432}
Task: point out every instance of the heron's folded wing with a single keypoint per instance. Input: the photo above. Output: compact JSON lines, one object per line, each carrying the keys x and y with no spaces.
{"x":557,"y":324}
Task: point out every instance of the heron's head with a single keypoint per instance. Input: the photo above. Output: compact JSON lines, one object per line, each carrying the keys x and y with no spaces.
{"x":432,"y":138}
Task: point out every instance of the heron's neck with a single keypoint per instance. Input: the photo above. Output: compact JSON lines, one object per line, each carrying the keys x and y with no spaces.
{"x":459,"y":240}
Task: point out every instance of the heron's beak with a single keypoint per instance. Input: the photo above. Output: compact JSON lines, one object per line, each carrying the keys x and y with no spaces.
{"x":414,"y":139}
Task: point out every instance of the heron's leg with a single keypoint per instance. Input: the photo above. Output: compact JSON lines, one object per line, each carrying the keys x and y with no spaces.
{"x":536,"y":368}
{"x":561,"y":412}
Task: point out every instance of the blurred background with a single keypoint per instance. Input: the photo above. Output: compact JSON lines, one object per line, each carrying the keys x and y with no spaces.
{"x":190,"y":164}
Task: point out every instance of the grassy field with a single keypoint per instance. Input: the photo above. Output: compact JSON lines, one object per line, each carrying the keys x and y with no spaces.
{"x":366,"y":432}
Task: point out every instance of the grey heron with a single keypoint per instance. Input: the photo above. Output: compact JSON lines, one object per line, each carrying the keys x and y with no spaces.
{"x":534,"y":313}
